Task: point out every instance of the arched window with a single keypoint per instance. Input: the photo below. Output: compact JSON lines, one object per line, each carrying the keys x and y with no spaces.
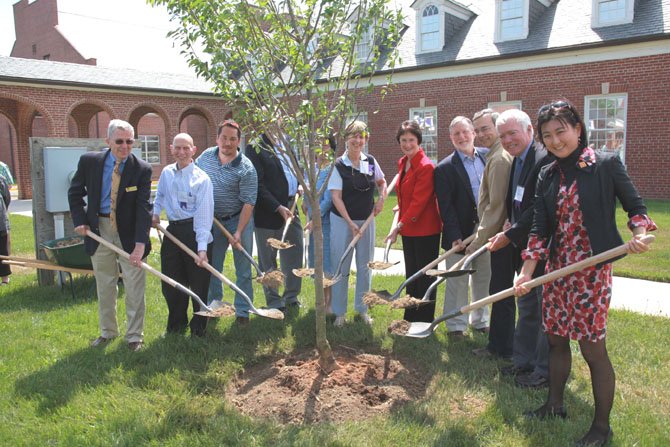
{"x":430,"y":29}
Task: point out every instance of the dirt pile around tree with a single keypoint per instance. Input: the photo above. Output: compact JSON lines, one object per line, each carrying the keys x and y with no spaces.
{"x":295,"y":390}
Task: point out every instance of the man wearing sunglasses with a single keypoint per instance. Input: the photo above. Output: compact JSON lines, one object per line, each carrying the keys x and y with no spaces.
{"x":117,"y":186}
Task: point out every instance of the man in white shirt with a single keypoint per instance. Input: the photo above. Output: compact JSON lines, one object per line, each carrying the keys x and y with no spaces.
{"x":185,"y":193}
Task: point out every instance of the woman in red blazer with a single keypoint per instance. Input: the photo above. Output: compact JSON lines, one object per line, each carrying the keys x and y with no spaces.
{"x":419,"y":221}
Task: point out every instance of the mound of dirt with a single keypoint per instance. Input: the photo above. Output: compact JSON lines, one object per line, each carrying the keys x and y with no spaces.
{"x":295,"y":390}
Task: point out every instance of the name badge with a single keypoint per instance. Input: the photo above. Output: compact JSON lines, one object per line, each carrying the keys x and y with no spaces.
{"x":131,"y":188}
{"x":518,"y":195}
{"x":364,"y":167}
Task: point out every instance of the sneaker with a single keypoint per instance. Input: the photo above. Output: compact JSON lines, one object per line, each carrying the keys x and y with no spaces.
{"x":339,"y":321}
{"x":367,"y":319}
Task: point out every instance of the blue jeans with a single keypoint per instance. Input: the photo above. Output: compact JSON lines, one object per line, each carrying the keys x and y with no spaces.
{"x":325,"y":227}
{"x":242,"y":264}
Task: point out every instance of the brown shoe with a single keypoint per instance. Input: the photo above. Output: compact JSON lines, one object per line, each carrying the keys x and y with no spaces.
{"x":482,"y":352}
{"x":531,"y":380}
{"x":455,"y":335}
{"x":100,"y":341}
{"x":135,"y":345}
{"x":483,"y":330}
{"x":242,"y":321}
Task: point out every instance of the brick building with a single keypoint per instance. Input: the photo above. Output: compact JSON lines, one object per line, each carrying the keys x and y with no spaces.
{"x":609,"y":57}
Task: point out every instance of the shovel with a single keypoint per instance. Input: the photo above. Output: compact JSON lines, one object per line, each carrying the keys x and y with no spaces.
{"x":272,"y":279}
{"x":275,"y":314}
{"x":376,"y":265}
{"x":386,"y":295}
{"x":328,"y":282}
{"x":422,"y":330}
{"x":306,"y":271}
{"x":281,"y":245}
{"x":209,"y":312}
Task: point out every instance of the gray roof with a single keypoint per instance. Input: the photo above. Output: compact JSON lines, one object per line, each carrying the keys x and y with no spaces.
{"x":563,"y":25}
{"x":62,"y":73}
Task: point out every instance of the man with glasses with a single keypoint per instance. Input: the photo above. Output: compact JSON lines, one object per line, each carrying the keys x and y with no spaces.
{"x":235,"y":190}
{"x":277,"y":189}
{"x":457,"y":182}
{"x":117,"y":186}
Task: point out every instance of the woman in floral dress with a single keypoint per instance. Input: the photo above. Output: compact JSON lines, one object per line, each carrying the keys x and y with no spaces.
{"x":575,"y":219}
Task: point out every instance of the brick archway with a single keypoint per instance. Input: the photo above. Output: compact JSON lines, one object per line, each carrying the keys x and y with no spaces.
{"x":83,"y":111}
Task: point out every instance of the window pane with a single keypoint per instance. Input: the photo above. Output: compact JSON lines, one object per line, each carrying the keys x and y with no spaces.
{"x":511,"y":19}
{"x":606,"y":121}
{"x":430,"y":28}
{"x":151,"y":148}
{"x":427,"y":119}
{"x":612,"y":10}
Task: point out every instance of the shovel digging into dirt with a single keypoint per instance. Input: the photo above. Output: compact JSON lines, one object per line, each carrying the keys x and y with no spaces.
{"x":275,"y":314}
{"x":328,"y":282}
{"x":306,"y":271}
{"x":281,"y":245}
{"x":273,"y":279}
{"x":384,"y":296}
{"x":422,"y":330}
{"x":208,"y":312}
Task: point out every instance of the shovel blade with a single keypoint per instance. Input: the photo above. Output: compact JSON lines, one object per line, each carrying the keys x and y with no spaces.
{"x":420,"y":330}
{"x":383,"y":294}
{"x":453,"y":274}
{"x":274,"y":314}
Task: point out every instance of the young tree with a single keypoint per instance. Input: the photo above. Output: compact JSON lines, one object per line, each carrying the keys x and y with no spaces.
{"x":291,"y":66}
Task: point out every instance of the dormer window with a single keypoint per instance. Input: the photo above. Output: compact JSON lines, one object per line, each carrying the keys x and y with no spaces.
{"x":612,"y":12}
{"x":364,"y":45}
{"x":430,"y":29}
{"x":511,"y":20}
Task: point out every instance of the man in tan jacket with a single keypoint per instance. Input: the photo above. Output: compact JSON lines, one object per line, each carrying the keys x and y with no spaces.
{"x":492,"y":214}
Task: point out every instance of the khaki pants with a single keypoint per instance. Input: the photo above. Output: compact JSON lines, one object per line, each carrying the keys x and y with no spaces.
{"x":106,"y":278}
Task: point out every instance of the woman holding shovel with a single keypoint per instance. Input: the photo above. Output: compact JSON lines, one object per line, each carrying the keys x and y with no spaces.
{"x":419,"y":221}
{"x":352,"y":185}
{"x":575,"y":219}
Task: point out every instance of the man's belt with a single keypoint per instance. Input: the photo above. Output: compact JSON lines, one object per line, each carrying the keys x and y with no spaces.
{"x":182,"y":221}
{"x":222,"y":218}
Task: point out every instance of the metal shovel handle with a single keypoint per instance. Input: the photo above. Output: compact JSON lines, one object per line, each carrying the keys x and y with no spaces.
{"x":150,"y":269}
{"x":238,"y":246}
{"x":290,"y":219}
{"x":396,"y":215}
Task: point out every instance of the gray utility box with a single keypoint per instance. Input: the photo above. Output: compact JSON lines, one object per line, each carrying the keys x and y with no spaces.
{"x":60,"y":165}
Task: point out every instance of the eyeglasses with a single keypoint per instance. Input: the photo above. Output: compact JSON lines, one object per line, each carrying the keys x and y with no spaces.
{"x":128,"y":141}
{"x":554,"y":105}
{"x":356,"y":184}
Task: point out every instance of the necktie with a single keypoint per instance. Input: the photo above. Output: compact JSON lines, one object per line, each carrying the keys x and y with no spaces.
{"x":116,"y":179}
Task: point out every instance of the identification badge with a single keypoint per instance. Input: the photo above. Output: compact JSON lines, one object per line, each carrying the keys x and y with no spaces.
{"x":364,"y":167}
{"x":184,"y":198}
{"x":131,"y":188}
{"x":518,"y":195}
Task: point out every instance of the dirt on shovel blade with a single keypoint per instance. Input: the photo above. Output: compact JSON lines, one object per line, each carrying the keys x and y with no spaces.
{"x":399,"y":327}
{"x":303,"y":273}
{"x":273,"y":279}
{"x":327,"y":282}
{"x":372,"y":298}
{"x":223,"y":311}
{"x":405,"y":302}
{"x":378,"y":265}
{"x":278,"y":245}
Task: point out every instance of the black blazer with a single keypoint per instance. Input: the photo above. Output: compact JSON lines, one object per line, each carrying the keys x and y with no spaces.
{"x":599,"y":184}
{"x":133,"y":210}
{"x":457,"y":203}
{"x":272,"y":184}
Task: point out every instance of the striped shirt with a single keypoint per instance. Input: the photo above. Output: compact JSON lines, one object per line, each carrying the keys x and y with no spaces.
{"x":187,"y":193}
{"x":235,"y":183}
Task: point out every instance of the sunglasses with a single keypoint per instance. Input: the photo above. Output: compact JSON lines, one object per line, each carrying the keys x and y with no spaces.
{"x":128,"y":141}
{"x":362,"y":184}
{"x":554,"y":105}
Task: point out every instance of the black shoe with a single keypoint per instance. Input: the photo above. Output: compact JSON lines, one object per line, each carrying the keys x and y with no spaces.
{"x":135,"y":346}
{"x":100,"y":341}
{"x":513,"y":370}
{"x":455,"y":335}
{"x":588,"y":441}
{"x":242,"y":321}
{"x":532,"y":380}
{"x":483,"y":330}
{"x":482,"y":352}
{"x":545,"y":412}
{"x":294,"y":305}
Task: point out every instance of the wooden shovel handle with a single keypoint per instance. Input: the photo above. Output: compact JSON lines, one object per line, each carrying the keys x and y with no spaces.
{"x":225,"y":232}
{"x":446,"y":254}
{"x":588,"y":262}
{"x":46,"y":266}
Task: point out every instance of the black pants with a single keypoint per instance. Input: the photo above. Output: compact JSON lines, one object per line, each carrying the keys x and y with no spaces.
{"x":501,"y":335}
{"x":5,"y":270}
{"x":420,"y":251}
{"x":181,"y":267}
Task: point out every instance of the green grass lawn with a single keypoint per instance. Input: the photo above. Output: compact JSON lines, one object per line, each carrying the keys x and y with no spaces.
{"x":55,"y":390}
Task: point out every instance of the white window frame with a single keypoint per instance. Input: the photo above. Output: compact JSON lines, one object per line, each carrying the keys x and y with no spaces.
{"x":358,"y":116}
{"x":523,"y":32}
{"x":420,"y":29}
{"x":501,"y":106}
{"x":606,"y":127}
{"x":364,"y":48}
{"x":144,"y":141}
{"x":597,"y":20}
{"x":429,"y":132}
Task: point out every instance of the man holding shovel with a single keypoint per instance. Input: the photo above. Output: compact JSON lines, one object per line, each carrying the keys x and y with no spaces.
{"x":185,"y":193}
{"x":117,"y":185}
{"x":235,"y":190}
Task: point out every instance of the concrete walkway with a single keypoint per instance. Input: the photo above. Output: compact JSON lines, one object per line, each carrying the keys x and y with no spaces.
{"x":647,"y":297}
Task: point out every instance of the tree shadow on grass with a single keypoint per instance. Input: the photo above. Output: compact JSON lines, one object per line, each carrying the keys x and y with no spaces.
{"x":25,"y":294}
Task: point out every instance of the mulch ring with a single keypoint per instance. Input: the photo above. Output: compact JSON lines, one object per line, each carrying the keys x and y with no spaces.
{"x":294,"y":389}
